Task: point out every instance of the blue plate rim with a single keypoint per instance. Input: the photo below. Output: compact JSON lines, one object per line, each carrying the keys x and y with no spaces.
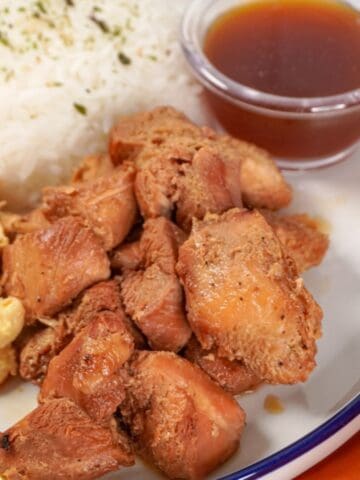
{"x":301,"y":446}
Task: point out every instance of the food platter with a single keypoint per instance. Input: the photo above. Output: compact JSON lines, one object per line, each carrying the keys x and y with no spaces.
{"x":322,"y":413}
{"x":158,"y":301}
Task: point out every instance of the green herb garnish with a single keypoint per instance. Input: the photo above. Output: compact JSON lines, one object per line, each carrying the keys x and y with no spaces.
{"x":41,"y":7}
{"x":80,"y":108}
{"x":100,"y":23}
{"x":124,"y":59}
{"x":4,"y":41}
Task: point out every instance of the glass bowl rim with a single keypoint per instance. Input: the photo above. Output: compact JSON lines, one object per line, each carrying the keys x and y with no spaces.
{"x":236,"y":92}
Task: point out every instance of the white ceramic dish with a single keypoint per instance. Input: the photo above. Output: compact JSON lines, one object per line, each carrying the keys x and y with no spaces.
{"x":324,"y":412}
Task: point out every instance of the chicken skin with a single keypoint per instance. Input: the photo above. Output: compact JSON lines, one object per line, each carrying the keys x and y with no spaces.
{"x":232,"y":375}
{"x":245,"y":299}
{"x":106,"y":205}
{"x":301,"y":238}
{"x":178,"y":418}
{"x":58,"y":441}
{"x":47,"y":268}
{"x":192,"y":168}
{"x":152,"y":293}
{"x":88,"y":370}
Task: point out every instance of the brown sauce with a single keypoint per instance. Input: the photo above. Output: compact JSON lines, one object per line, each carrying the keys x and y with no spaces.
{"x":273,"y":405}
{"x":295,"y":48}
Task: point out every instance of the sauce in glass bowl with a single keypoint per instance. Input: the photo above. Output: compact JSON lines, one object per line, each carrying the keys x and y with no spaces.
{"x":284,"y":74}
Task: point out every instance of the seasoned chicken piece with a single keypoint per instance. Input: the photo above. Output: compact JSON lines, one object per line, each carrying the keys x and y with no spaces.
{"x":92,"y":167}
{"x":178,"y":418}
{"x":178,"y":168}
{"x":42,"y":346}
{"x":88,"y":370}
{"x":18,"y":224}
{"x":46,"y":269}
{"x":232,"y":375}
{"x":193,"y":185}
{"x":262,"y":183}
{"x":127,"y":256}
{"x":152,"y":294}
{"x":301,"y":237}
{"x":58,"y":441}
{"x":107,"y":205}
{"x":160,"y":139}
{"x":245,"y":299}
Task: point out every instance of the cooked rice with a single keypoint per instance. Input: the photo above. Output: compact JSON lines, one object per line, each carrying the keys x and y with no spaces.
{"x":67,"y":72}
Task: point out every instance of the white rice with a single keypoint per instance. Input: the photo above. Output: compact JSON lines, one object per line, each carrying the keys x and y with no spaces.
{"x":53,"y":56}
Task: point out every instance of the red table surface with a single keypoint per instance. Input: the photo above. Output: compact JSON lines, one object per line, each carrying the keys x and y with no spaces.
{"x":344,"y":464}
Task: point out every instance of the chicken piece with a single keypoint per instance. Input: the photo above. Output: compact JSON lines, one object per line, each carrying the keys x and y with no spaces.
{"x":92,"y":167}
{"x":240,"y":170}
{"x":127,"y":256}
{"x":178,"y":418}
{"x":131,"y":134}
{"x":262,"y":184}
{"x":233,"y":375}
{"x":40,"y":349}
{"x":8,"y":364}
{"x":46,"y":269}
{"x":88,"y":370}
{"x":58,"y":441}
{"x":301,"y":237}
{"x":107,"y":205}
{"x":42,"y":346}
{"x":152,"y":294}
{"x":15,"y":224}
{"x":245,"y":299}
{"x":193,"y":185}
{"x":177,"y":167}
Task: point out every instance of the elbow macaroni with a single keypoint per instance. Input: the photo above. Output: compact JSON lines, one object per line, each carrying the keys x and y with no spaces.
{"x":12,"y":317}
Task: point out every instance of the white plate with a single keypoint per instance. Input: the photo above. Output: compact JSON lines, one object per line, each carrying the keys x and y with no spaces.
{"x":329,"y":402}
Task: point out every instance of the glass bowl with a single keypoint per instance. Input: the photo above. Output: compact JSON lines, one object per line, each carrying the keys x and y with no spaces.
{"x":300,"y":132}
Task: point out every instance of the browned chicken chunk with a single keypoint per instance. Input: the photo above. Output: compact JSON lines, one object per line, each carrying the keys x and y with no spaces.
{"x":192,"y":168}
{"x":107,"y":204}
{"x":46,"y":269}
{"x":193,"y":185}
{"x":58,"y":441}
{"x":232,"y":375}
{"x":37,"y":352}
{"x":245,"y":299}
{"x":88,"y":370}
{"x":127,"y":257}
{"x":15,"y":224}
{"x":302,"y":239}
{"x":152,"y":294}
{"x":92,"y":167}
{"x":178,"y":418}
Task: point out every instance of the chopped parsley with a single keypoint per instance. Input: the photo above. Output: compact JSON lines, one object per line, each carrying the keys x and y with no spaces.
{"x":41,"y":7}
{"x":100,"y":23}
{"x":4,"y":40}
{"x":80,"y":108}
{"x":124,"y":59}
